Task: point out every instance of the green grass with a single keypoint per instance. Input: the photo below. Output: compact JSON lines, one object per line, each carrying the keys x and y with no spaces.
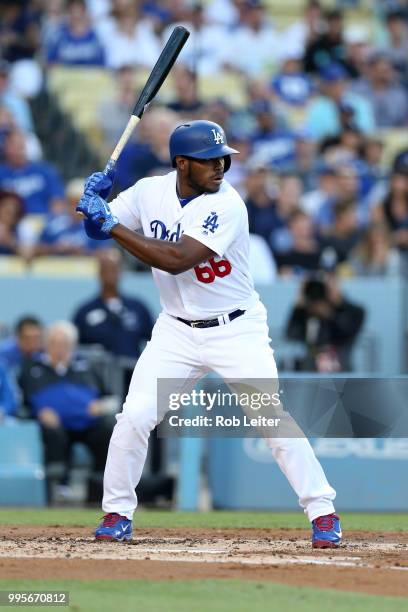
{"x":217,"y":519}
{"x":204,"y":595}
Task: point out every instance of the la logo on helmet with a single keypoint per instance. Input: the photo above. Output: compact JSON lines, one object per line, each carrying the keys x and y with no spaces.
{"x":218,"y":139}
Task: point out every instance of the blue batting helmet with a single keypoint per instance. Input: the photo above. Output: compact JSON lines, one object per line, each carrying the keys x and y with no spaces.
{"x":200,"y":140}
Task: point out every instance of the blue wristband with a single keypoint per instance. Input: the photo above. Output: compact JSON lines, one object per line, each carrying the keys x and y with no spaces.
{"x":94,"y":231}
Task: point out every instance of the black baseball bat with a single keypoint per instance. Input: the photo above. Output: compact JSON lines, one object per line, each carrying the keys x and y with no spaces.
{"x":156,"y":79}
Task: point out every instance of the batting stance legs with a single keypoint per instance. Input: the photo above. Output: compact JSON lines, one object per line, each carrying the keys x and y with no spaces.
{"x":240,"y":350}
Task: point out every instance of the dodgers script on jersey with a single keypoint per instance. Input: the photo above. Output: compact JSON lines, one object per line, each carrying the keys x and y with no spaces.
{"x":218,"y":220}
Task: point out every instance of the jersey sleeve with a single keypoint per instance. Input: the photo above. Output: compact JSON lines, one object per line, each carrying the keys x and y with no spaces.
{"x":218,"y":225}
{"x":126,"y":207}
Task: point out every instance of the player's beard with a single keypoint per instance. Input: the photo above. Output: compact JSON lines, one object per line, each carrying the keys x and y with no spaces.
{"x":198,"y":186}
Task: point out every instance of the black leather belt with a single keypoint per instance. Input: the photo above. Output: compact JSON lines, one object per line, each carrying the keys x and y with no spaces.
{"x":213,"y":322}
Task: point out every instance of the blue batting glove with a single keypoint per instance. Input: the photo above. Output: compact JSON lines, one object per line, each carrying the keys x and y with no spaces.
{"x":93,"y":230}
{"x":97,"y":211}
{"x":99,"y":183}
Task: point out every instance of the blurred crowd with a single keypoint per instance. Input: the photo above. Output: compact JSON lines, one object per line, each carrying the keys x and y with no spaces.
{"x":324,"y":96}
{"x":60,"y":375}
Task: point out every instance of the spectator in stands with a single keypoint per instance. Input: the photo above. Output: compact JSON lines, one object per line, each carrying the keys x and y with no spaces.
{"x":356,"y":37}
{"x":239,"y":169}
{"x":328,"y":47}
{"x":17,"y":106}
{"x":343,"y":235}
{"x":397,"y":44}
{"x":346,"y":153}
{"x":66,"y":396}
{"x":287,"y":202}
{"x":350,"y":133}
{"x":332,"y":153}
{"x":19,"y":30}
{"x":393,"y":211}
{"x":291,"y":85}
{"x":347,"y":190}
{"x":223,"y":12}
{"x":254,"y":43}
{"x":114,"y":110}
{"x":305,"y":163}
{"x":259,"y":198}
{"x":37,"y":183}
{"x":120,"y":323}
{"x":186,"y":100}
{"x":26,"y":344}
{"x":11,"y":212}
{"x":350,"y":140}
{"x":373,"y":149}
{"x":374,"y":255}
{"x":203,"y":54}
{"x":220,"y":111}
{"x":273,"y":141}
{"x":140,"y":159}
{"x":169,"y":11}
{"x":8,"y":403}
{"x":128,"y":39}
{"x":63,"y":233}
{"x":303,"y":33}
{"x":303,"y":254}
{"x":324,"y":114}
{"x":325,"y":193}
{"x":327,"y":323}
{"x":52,"y":19}
{"x":257,"y":90}
{"x":8,"y":124}
{"x":75,"y":42}
{"x":375,"y":171}
{"x":242,"y":121}
{"x":98,"y":9}
{"x":400,"y":162}
{"x":383,"y":7}
{"x":389,"y":99}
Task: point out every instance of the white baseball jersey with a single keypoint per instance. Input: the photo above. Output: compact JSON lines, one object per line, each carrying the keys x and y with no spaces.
{"x":218,"y":220}
{"x":216,"y":287}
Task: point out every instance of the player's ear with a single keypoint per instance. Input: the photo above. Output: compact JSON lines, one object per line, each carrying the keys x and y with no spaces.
{"x":181,"y":163}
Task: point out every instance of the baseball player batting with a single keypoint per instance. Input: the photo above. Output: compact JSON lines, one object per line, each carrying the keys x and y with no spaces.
{"x":196,"y":240}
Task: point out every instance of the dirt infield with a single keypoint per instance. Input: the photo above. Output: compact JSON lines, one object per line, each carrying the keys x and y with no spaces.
{"x":367,"y":562}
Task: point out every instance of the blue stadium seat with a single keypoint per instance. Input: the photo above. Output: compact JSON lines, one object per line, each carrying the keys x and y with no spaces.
{"x":22,"y":477}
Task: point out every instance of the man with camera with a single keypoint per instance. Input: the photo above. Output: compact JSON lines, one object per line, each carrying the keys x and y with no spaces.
{"x":327,"y":323}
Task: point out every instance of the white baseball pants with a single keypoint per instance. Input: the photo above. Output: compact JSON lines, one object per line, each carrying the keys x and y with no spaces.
{"x":238,"y":349}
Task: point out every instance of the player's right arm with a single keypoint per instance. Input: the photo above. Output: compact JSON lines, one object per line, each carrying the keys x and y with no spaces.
{"x":120,"y":223}
{"x":172,"y":257}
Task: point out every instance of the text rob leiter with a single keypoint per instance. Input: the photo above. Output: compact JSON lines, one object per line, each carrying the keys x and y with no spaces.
{"x":222,"y":421}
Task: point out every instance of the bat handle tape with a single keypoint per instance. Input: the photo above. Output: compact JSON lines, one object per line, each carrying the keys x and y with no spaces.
{"x":132,"y":123}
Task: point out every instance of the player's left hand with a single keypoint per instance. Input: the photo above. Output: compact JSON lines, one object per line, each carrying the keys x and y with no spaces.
{"x":97,"y":211}
{"x":99,"y":183}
